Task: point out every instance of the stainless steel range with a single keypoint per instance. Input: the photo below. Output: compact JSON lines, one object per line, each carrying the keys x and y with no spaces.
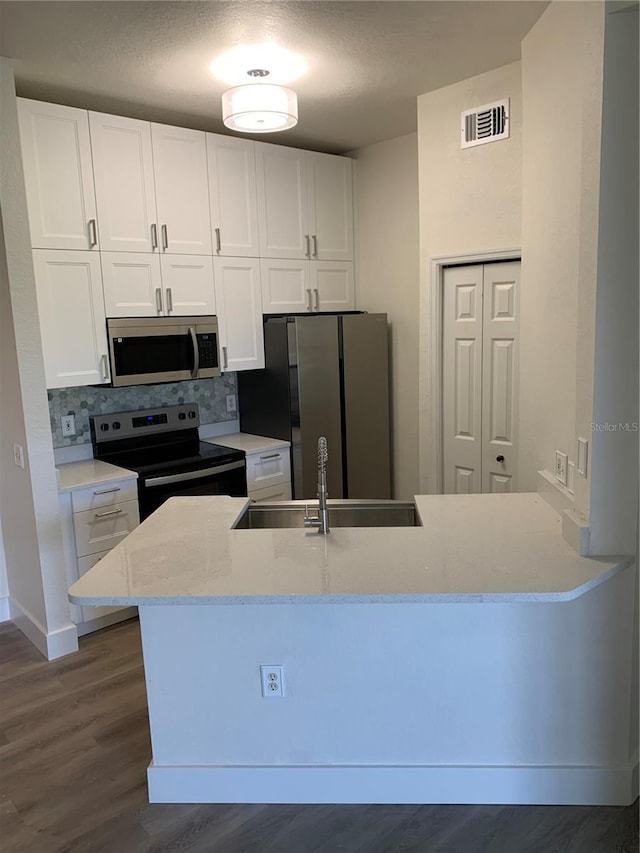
{"x":163,"y":446}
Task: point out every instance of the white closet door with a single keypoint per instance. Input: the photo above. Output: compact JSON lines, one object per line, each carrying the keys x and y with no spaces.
{"x":182,"y":189}
{"x":233,"y":196}
{"x":462,"y":380}
{"x":187,"y":282}
{"x":499,"y":380}
{"x":58,"y":175}
{"x":132,"y":284}
{"x":123,"y":171}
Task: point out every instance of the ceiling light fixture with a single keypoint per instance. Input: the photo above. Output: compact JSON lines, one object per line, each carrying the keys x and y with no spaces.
{"x":259,"y":107}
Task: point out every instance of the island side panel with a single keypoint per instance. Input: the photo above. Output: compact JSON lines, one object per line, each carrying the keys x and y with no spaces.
{"x":517,"y":702}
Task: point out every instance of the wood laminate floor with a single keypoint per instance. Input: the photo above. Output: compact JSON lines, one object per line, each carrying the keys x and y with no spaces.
{"x":74,"y":748}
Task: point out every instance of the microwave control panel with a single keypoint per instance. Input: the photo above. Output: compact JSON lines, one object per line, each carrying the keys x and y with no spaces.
{"x":208,"y":350}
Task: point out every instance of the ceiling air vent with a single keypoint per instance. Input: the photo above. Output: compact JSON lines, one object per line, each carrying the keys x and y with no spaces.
{"x":485,"y":124}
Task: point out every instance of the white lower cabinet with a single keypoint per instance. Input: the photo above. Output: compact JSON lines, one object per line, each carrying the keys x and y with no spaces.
{"x":306,"y":286}
{"x":239,"y":310}
{"x":272,"y":493}
{"x":95,"y":519}
{"x":137,"y":284}
{"x":72,"y":317}
{"x":268,"y":470}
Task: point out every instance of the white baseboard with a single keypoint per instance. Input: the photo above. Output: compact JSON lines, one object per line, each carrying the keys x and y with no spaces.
{"x":611,"y":786}
{"x":50,"y":644}
{"x":5,"y":612}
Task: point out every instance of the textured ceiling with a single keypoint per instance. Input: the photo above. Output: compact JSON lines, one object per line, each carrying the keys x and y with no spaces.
{"x":367,"y":61}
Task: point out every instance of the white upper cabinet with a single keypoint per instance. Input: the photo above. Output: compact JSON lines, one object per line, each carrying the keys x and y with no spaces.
{"x":285,"y":286}
{"x":283,"y":205}
{"x":56,"y":155}
{"x":151,"y":186}
{"x":232,"y":195}
{"x":330,"y":207}
{"x":332,"y":285}
{"x":147,"y":285}
{"x":239,"y":304}
{"x":123,"y":169}
{"x":72,"y":317}
{"x":180,"y":168}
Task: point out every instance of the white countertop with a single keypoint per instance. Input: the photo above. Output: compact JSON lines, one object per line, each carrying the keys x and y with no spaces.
{"x":248,"y":443}
{"x":471,"y":548}
{"x":90,"y":472}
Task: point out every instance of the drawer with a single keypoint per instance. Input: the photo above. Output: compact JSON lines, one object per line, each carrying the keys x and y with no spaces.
{"x":272,"y":493}
{"x":101,"y":529}
{"x":105,"y":494}
{"x":87,"y":613}
{"x":271,"y":468}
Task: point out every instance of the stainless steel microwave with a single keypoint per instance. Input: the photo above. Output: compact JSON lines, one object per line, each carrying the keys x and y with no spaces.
{"x":143,"y":350}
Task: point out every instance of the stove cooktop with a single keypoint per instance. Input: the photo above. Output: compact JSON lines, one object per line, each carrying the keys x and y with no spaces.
{"x":173,"y":458}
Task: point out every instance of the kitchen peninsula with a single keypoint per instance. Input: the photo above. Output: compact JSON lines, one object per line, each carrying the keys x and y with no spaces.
{"x":473,"y":659}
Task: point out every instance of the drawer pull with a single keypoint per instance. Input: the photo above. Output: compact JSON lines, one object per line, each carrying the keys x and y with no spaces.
{"x":109,"y":512}
{"x":107,"y":491}
{"x":271,"y":456}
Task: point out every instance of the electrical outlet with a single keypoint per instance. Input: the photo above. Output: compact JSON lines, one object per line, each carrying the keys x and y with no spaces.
{"x":231,"y":403}
{"x":271,"y":678}
{"x":561,"y":467}
{"x":68,"y":424}
{"x":18,"y":455}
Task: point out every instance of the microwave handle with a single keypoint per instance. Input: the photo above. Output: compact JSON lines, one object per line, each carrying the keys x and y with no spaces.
{"x":196,"y":352}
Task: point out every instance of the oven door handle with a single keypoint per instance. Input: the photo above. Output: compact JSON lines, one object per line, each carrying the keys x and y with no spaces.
{"x":196,"y":352}
{"x":193,"y":475}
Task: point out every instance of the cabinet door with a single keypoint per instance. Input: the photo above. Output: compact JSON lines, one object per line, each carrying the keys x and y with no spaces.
{"x":180,"y":168}
{"x":187,"y":281}
{"x":132,"y":284}
{"x":283,"y":216}
{"x":232,"y":195}
{"x":56,"y":154}
{"x":72,"y":317}
{"x":123,"y":170}
{"x":331,"y":207}
{"x":332,"y":286}
{"x":285,"y":286}
{"x":239,"y":304}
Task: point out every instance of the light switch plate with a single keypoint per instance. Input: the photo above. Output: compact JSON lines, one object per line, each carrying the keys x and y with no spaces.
{"x":561,"y":467}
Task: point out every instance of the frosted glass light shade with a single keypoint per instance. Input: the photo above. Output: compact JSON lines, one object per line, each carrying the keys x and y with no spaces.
{"x":259,"y":108}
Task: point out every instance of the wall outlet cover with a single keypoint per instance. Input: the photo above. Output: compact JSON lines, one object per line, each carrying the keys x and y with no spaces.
{"x":231,"y":403}
{"x":271,"y":680}
{"x":68,"y":424}
{"x":561,"y":467}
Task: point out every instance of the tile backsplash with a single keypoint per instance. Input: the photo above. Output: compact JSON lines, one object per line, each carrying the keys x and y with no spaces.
{"x":209,"y":394}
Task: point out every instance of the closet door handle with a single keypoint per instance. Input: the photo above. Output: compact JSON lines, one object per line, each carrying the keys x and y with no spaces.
{"x":309,"y":305}
{"x":315,"y":246}
{"x":154,"y":236}
{"x":159,"y":299}
{"x":500,"y":458}
{"x":165,"y":237}
{"x":218,"y":241}
{"x":93,"y":234}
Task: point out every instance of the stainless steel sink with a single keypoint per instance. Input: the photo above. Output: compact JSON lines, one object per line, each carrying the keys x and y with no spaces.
{"x":342,"y":513}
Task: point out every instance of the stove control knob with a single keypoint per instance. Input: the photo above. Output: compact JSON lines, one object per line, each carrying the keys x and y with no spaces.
{"x":116,"y":425}
{"x":192,"y":414}
{"x":104,"y":427}
{"x":182,"y":416}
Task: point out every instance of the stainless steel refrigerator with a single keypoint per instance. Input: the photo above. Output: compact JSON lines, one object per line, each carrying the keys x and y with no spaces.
{"x":325,"y":374}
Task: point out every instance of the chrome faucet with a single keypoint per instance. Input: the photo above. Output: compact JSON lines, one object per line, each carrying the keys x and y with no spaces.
{"x":321,"y":521}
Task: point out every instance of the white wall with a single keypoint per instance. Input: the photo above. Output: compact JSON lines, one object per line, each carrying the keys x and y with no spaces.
{"x":562,"y":91}
{"x":614,"y":477}
{"x":388,"y":281}
{"x":4,"y":583}
{"x":470,"y":199}
{"x":28,"y":497}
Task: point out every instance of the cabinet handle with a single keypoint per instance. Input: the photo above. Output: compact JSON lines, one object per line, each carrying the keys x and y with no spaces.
{"x":154,"y":236}
{"x":165,"y":237}
{"x":309,"y":306}
{"x":315,"y":290}
{"x":93,"y":234}
{"x":271,"y":456}
{"x":109,"y":512}
{"x":169,"y":300}
{"x":218,"y":241}
{"x":107,"y":491}
{"x":159,"y":299}
{"x":315,"y":246}
{"x":225,"y":362}
{"x":307,"y":252}
{"x":104,"y":366}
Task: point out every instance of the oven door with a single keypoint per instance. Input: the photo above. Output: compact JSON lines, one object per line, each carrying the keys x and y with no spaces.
{"x":162,"y":349}
{"x":227,"y":479}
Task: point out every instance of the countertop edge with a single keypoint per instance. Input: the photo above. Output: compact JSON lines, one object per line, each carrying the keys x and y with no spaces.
{"x":84,"y":482}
